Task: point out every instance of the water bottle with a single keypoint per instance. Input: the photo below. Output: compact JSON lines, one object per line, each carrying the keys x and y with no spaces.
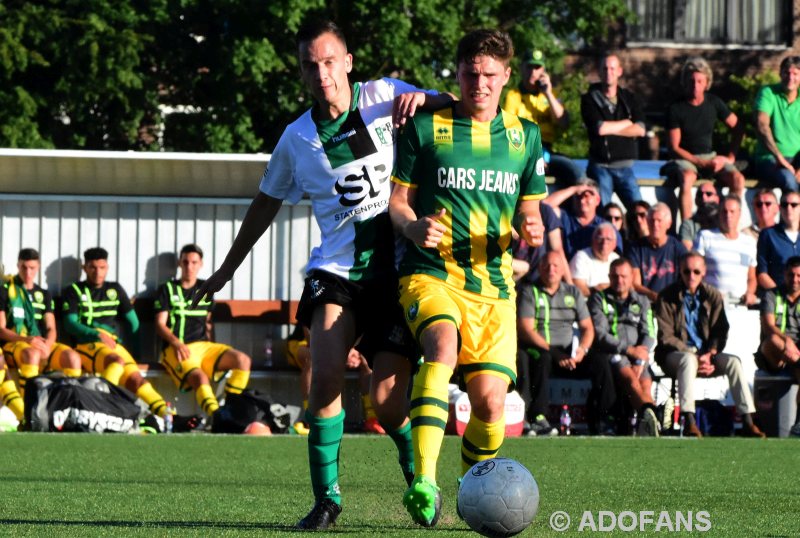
{"x":683,"y":423}
{"x":268,"y":353}
{"x":565,"y":420}
{"x":634,"y":416}
{"x":168,"y":418}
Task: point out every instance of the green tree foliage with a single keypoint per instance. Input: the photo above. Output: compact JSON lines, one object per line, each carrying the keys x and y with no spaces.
{"x":96,"y":74}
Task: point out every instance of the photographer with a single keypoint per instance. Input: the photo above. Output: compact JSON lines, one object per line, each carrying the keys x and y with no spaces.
{"x":535,"y":100}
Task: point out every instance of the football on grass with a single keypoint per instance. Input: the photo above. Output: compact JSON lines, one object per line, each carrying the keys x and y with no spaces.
{"x":498,"y":497}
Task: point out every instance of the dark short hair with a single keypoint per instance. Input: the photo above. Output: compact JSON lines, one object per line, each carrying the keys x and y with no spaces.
{"x":485,"y":42}
{"x":792,"y":262}
{"x":28,"y":254}
{"x":619,"y":261}
{"x":730,"y":198}
{"x":789,"y":61}
{"x":313,"y":28}
{"x":191,"y":247}
{"x":766,"y":191}
{"x":95,"y":253}
{"x":691,"y":254}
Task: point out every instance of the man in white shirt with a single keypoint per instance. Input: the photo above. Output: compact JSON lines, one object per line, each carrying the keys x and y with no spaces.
{"x":589,"y":266}
{"x":730,"y":255}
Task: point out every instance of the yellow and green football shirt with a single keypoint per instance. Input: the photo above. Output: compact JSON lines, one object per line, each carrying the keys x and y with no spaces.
{"x":477,"y":172}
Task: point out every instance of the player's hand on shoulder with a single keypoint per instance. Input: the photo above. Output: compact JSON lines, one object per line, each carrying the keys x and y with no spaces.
{"x":426,"y":232}
{"x":405,"y":106}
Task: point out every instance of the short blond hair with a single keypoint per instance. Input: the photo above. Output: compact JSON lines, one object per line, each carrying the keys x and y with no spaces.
{"x":693,"y":65}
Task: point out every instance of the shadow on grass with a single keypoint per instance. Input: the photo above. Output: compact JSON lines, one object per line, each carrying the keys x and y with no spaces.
{"x":344,"y":529}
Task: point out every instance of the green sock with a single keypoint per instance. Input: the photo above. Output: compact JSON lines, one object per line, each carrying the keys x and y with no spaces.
{"x":324,"y":441}
{"x":405,"y":448}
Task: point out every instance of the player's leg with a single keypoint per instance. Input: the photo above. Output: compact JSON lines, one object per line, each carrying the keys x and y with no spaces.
{"x":131,"y":378}
{"x":64,"y":359}
{"x":371,"y":423}
{"x":235,"y":361}
{"x":488,"y":365}
{"x":332,"y":336}
{"x":391,"y":374}
{"x":27,"y":358}
{"x":9,"y":395}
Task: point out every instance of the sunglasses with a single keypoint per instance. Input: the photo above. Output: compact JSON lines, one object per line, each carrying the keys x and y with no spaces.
{"x":614,"y":218}
{"x":763,"y":204}
{"x":708,"y":194}
{"x":793,"y":205}
{"x":641,"y":215}
{"x":688,"y":272}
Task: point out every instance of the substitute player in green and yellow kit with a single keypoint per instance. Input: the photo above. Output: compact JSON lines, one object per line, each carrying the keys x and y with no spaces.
{"x":191,"y":359}
{"x":464,"y":176}
{"x":93,"y":310}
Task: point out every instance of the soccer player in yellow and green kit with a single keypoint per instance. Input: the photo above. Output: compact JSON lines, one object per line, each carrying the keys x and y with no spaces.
{"x":464,"y":176}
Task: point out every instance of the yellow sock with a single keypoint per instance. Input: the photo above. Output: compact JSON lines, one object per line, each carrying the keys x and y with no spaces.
{"x":481,"y":441}
{"x":72,"y":372}
{"x":206,"y":399}
{"x":26,"y":372}
{"x":12,"y":399}
{"x":237,"y":381}
{"x":428,"y":412}
{"x":4,"y":371}
{"x":153,"y":399}
{"x":369,"y":411}
{"x":113,"y":373}
{"x":305,"y":406}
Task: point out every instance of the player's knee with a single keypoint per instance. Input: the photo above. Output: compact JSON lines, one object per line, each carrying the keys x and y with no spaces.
{"x":31,"y":356}
{"x":70,"y":359}
{"x":196,"y":378}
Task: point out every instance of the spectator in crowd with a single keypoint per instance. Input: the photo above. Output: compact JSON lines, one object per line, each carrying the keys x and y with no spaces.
{"x":655,"y":259}
{"x":779,"y":243}
{"x":765,"y":208}
{"x":614,"y":120}
{"x":777,"y":153}
{"x":526,"y":258}
{"x":189,"y":355}
{"x":95,"y":310}
{"x":692,"y":332}
{"x":613,"y":213}
{"x":578,"y":224}
{"x":636,"y":220}
{"x":545,"y":314}
{"x":624,"y":336}
{"x":690,"y":126}
{"x":28,"y":325}
{"x":730,"y":255}
{"x":536,"y":100}
{"x":780,"y":330}
{"x":589,"y":266}
{"x":706,"y":199}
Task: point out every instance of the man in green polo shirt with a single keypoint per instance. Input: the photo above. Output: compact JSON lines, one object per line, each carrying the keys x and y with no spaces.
{"x":777,"y":154}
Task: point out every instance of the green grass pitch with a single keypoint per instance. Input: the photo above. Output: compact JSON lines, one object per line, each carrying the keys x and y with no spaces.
{"x":202,"y":485}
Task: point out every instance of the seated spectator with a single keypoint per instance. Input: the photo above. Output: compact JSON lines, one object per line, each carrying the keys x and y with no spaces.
{"x":95,"y":311}
{"x":28,"y":325}
{"x":579,"y":223}
{"x":189,"y":356}
{"x":536,"y":100}
{"x":779,"y":243}
{"x":730,"y":255}
{"x":636,"y":224}
{"x":655,"y":259}
{"x":780,"y":330}
{"x":545,"y":316}
{"x":613,"y":213}
{"x":614,"y":121}
{"x":777,"y":154}
{"x":624,"y":335}
{"x":692,"y":332}
{"x":526,"y":258}
{"x":765,"y":208}
{"x":589,"y":266}
{"x":706,"y":199}
{"x":690,"y":125}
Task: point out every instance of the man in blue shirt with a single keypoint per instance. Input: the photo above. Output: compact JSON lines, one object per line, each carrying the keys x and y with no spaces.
{"x":779,"y":243}
{"x":655,"y":258}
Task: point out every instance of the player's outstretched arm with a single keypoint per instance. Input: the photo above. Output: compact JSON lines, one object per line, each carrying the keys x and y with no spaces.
{"x":259,"y":216}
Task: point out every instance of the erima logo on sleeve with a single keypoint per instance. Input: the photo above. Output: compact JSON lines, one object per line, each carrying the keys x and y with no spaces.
{"x":540,"y":167}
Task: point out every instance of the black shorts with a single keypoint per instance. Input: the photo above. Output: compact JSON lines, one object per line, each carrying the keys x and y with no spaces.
{"x":374,"y":303}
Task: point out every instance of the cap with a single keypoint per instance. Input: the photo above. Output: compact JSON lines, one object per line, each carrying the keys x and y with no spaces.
{"x":533,"y":57}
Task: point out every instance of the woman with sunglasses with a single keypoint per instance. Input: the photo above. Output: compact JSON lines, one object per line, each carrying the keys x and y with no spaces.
{"x":636,"y":224}
{"x":614,"y":214}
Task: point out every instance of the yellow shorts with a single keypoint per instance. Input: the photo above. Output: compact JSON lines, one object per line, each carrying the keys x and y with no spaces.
{"x":203,"y":355}
{"x":293,"y":352}
{"x":13,"y":354}
{"x":487,"y":328}
{"x":93,"y":356}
